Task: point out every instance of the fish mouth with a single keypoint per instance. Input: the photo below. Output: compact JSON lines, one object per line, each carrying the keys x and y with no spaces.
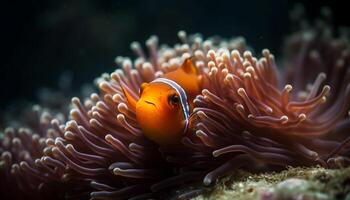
{"x":150,"y":103}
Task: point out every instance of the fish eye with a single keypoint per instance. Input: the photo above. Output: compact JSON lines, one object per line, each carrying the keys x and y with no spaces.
{"x":174,"y":99}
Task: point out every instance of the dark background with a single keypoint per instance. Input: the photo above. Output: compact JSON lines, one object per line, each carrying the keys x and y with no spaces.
{"x":41,"y":39}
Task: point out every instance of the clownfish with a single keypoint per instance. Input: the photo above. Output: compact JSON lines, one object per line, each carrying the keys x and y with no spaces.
{"x":165,"y":104}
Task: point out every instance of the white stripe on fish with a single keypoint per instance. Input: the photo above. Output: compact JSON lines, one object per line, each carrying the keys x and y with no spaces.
{"x":183,"y":97}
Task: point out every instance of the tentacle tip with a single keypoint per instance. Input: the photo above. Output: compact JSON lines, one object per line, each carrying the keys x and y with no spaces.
{"x":326,"y":89}
{"x":247,"y":75}
{"x":122,"y":106}
{"x":58,"y":141}
{"x":213,"y":70}
{"x":75,"y":100}
{"x":116,"y":171}
{"x":196,"y":109}
{"x":181,"y":34}
{"x":302,"y":117}
{"x":135,"y":45}
{"x":215,"y":154}
{"x":152,"y":41}
{"x":265,"y":52}
{"x":315,"y":155}
{"x":55,"y":122}
{"x":211,"y":54}
{"x":201,"y":114}
{"x":284,"y":119}
{"x":23,"y":164}
{"x":67,"y":135}
{"x":322,"y":75}
{"x":117,"y":98}
{"x":120,"y":117}
{"x":239,"y":107}
{"x":207,"y":181}
{"x":132,"y":145}
{"x":205,"y":92}
{"x":269,"y":110}
{"x":288,"y":87}
{"x":55,"y":150}
{"x":93,"y":122}
{"x":247,"y":53}
{"x":69,"y":147}
{"x":200,"y":133}
{"x":241,"y":91}
{"x":108,"y":137}
{"x":235,"y":53}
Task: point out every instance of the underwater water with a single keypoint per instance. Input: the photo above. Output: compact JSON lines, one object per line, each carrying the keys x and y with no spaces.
{"x":43,"y":39}
{"x":273,"y":93}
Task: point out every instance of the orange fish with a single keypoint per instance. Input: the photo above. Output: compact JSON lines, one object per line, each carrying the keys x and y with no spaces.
{"x":165,"y":104}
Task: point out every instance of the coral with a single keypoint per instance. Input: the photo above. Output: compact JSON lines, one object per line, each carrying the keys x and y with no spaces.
{"x":249,"y":115}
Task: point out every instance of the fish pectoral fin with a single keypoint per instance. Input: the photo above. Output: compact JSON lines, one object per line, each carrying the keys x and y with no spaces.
{"x":129,"y":97}
{"x":188,"y":66}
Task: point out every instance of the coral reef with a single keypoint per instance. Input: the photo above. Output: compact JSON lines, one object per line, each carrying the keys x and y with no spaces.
{"x":249,"y":115}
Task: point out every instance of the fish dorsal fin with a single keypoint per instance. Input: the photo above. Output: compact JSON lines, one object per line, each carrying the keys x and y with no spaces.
{"x":131,"y":100}
{"x":188,"y":66}
{"x":142,"y":87}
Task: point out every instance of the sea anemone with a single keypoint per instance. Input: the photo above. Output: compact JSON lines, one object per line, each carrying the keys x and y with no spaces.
{"x":25,"y":171}
{"x":103,"y":142}
{"x":249,"y":115}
